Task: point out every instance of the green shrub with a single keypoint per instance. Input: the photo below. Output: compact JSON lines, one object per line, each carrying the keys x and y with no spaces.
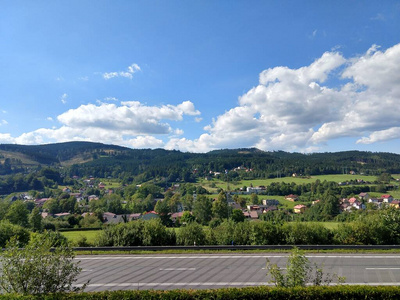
{"x":8,"y":230}
{"x":306,"y":234}
{"x":38,"y":269}
{"x":190,"y":234}
{"x":300,"y":272}
{"x":267,"y":233}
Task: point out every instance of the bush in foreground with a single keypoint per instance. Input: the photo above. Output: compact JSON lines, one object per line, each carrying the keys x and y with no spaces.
{"x":300,"y":272}
{"x":37,"y":268}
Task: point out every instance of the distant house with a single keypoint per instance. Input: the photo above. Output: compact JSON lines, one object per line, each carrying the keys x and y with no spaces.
{"x":251,"y":214}
{"x":93,"y":197}
{"x":364,"y":196}
{"x":150,"y":215}
{"x":111,"y":218}
{"x":177,"y":216}
{"x":352,"y":200}
{"x":299,"y":209}
{"x":358,"y":205}
{"x":292,"y":197}
{"x":395,"y":204}
{"x":66,"y":190}
{"x":64,"y":214}
{"x":78,"y":196}
{"x":270,"y":202}
{"x":376,"y":201}
{"x":255,"y":190}
{"x":387,"y":198}
{"x":40,"y":202}
{"x":316,"y":201}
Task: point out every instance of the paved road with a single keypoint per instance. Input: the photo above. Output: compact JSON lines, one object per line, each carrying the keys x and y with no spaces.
{"x":196,"y":271}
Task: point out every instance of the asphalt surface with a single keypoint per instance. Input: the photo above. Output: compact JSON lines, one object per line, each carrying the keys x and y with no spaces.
{"x":201,"y":271}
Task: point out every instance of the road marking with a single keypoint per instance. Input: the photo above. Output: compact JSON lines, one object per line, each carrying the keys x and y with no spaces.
{"x":178,"y":269}
{"x":232,"y":257}
{"x":382,"y":268}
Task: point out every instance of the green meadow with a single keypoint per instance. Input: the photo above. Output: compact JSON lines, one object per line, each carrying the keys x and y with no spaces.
{"x":296,"y":180}
{"x":75,"y":236}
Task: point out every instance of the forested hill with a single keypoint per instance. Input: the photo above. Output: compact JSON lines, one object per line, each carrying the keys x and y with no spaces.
{"x":59,"y":153}
{"x":100,"y":160}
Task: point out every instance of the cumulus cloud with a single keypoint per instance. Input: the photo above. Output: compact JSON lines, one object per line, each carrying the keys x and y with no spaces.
{"x":127,"y":74}
{"x":383,"y":135}
{"x":294,"y":110}
{"x":144,"y":142}
{"x":6,"y":138}
{"x":129,"y":123}
{"x":289,"y":109}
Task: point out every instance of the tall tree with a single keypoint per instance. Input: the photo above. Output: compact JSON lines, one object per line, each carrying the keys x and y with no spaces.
{"x":220,"y":206}
{"x":202,"y":209}
{"x":35,"y":220}
{"x":18,"y":214}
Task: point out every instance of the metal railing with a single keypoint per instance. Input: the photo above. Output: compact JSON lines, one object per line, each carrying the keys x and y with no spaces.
{"x":240,"y":247}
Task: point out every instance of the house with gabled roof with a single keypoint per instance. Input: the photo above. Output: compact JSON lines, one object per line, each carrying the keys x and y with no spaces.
{"x":292,"y":197}
{"x":150,"y":215}
{"x":387,"y":198}
{"x":363,"y":196}
{"x":299,"y":209}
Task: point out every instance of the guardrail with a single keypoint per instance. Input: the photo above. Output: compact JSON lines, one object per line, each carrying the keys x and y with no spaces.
{"x":241,"y":247}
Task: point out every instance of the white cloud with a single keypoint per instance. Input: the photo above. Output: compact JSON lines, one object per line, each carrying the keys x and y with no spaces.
{"x":383,"y":135}
{"x":144,"y":142}
{"x":110,"y":99}
{"x":130,"y":123}
{"x":49,"y":119}
{"x":289,"y":109}
{"x":127,"y":74}
{"x":6,"y":138}
{"x":178,"y":131}
{"x":3,"y":122}
{"x":64,"y":98}
{"x":371,"y":98}
{"x":293,"y":110}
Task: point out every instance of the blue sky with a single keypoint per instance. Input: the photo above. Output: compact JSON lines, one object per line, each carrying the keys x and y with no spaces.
{"x":304,"y":76}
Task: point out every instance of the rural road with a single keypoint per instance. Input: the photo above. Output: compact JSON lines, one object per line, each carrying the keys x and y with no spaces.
{"x":201,"y":271}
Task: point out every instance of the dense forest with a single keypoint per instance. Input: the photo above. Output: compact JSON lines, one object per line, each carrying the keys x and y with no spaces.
{"x":141,"y":165}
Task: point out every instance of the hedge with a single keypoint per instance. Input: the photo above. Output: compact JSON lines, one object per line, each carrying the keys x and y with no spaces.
{"x":343,"y":292}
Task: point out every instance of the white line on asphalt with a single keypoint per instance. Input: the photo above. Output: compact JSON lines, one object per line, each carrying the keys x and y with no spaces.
{"x":178,"y":269}
{"x":232,"y":256}
{"x":382,"y":268}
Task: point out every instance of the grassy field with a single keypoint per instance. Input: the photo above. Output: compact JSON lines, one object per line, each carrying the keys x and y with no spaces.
{"x":328,"y":225}
{"x":297,"y":180}
{"x":74,"y":236}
